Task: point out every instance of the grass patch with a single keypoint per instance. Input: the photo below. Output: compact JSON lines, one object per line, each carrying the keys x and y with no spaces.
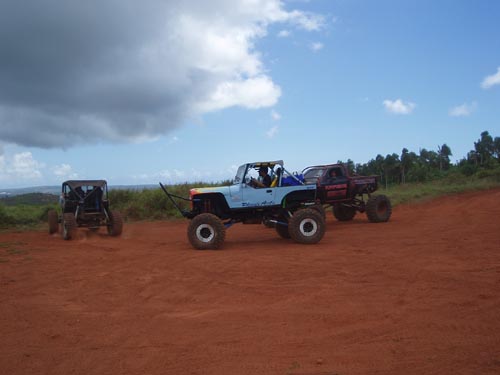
{"x":451,"y":184}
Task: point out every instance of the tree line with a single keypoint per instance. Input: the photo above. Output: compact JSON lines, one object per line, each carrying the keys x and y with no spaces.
{"x":427,"y":165}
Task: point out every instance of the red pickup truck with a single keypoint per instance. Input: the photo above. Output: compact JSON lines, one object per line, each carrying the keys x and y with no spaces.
{"x":345,"y":193}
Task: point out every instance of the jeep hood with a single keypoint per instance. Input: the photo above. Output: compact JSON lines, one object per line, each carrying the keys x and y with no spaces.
{"x":224,"y":190}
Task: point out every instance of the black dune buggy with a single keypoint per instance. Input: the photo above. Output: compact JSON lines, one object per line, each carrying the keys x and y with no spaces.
{"x":84,"y":203}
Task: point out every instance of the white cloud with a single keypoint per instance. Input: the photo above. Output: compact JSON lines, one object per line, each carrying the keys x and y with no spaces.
{"x":251,"y":93}
{"x":491,"y":80}
{"x":20,"y":167}
{"x":399,"y":107}
{"x":463,"y":110}
{"x":165,"y":175}
{"x":24,"y":166}
{"x":275,"y":115}
{"x":305,"y":20}
{"x":271,"y":133}
{"x":64,"y":172}
{"x":316,"y":46}
{"x":284,"y":34}
{"x":176,"y":176}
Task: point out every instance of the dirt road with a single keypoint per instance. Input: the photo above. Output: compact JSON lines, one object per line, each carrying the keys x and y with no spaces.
{"x":417,"y":295}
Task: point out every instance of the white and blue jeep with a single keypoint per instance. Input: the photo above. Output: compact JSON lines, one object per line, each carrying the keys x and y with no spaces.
{"x":287,"y":204}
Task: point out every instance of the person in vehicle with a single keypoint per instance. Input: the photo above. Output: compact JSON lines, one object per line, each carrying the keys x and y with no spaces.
{"x":264,"y":178}
{"x":332,"y":176}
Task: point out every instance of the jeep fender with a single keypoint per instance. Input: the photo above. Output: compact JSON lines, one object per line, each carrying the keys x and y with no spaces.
{"x":297,"y":198}
{"x":214,"y":203}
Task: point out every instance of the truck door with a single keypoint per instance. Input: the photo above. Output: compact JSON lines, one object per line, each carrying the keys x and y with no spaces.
{"x":336,"y":184}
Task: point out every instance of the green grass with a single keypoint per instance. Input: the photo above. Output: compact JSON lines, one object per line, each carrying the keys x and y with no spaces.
{"x":452,"y":184}
{"x":23,"y":217}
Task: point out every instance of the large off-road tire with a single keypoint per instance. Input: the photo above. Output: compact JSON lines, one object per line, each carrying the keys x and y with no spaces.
{"x":343,"y":213}
{"x":320,"y":209}
{"x":306,"y":226}
{"x":206,"y":231}
{"x":53,"y":220}
{"x":115,"y":226}
{"x":378,"y":209}
{"x":69,"y":226}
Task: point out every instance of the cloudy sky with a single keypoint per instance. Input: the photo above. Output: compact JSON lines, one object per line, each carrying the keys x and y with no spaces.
{"x":138,"y":92}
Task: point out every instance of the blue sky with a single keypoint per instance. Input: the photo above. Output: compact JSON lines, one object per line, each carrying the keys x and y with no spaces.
{"x":157,"y":91}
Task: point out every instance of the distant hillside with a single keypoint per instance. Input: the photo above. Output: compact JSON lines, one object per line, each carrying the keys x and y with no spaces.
{"x":36,"y":199}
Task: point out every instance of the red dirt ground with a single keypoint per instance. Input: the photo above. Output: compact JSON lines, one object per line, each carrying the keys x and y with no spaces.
{"x":417,"y":295}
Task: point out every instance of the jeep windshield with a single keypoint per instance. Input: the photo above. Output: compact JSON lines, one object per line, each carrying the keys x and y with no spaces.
{"x":240,"y":174}
{"x":311,"y":175}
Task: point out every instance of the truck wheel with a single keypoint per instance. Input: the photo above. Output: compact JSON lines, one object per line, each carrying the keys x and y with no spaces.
{"x":115,"y":226}
{"x":378,"y":209}
{"x":206,"y":231}
{"x":306,"y":226}
{"x":320,"y":209}
{"x":53,"y":221}
{"x":343,"y":213}
{"x":69,"y":226}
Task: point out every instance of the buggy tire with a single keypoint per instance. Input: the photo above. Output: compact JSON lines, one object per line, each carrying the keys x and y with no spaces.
{"x":206,"y":232}
{"x":378,"y":209}
{"x":343,"y":213}
{"x":306,"y":226}
{"x":53,"y":220}
{"x":69,"y":226}
{"x":115,"y":226}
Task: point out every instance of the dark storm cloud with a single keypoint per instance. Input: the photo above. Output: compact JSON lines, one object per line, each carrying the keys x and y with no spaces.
{"x":75,"y":71}
{"x":79,"y":71}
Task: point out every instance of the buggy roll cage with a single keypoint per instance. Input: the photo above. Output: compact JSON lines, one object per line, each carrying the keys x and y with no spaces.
{"x":73,"y":186}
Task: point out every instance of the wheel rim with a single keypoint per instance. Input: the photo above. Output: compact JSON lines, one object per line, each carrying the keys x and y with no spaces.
{"x":308,"y":227}
{"x":205,"y":233}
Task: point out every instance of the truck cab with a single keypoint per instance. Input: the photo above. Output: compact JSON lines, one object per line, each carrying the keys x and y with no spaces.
{"x":346,"y":193}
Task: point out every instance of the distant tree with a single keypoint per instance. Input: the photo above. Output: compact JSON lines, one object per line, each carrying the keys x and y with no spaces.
{"x":444,"y":153}
{"x":496,"y":148}
{"x":379,"y":166}
{"x":429,"y":159}
{"x":484,"y":147}
{"x":391,"y":168}
{"x":406,"y":163}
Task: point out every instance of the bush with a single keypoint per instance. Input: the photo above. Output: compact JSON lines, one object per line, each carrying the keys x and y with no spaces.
{"x":492,"y":174}
{"x":23,"y":215}
{"x":5,"y":219}
{"x":150,"y":203}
